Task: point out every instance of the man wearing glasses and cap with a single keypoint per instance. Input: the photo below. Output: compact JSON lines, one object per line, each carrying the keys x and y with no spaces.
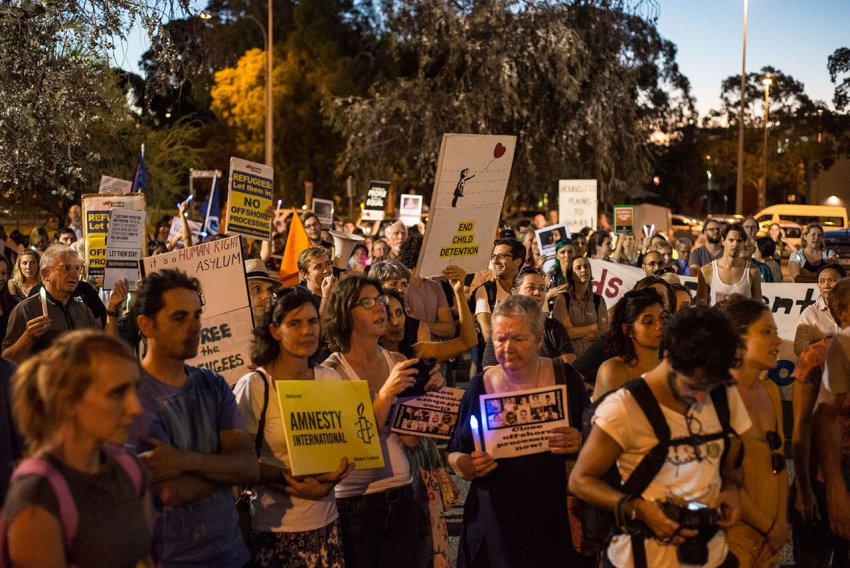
{"x":261,"y":286}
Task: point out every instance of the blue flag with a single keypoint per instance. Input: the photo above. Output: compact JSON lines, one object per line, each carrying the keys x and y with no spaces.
{"x":140,"y":180}
{"x":210,"y":205}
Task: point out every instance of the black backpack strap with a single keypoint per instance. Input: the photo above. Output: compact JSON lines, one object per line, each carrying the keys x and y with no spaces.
{"x":597,"y":299}
{"x":490,"y":288}
{"x":652,"y":462}
{"x":577,"y":400}
{"x":720,"y":399}
{"x":261,"y":425}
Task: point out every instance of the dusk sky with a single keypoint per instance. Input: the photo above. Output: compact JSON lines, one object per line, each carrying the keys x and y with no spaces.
{"x":794,"y":36}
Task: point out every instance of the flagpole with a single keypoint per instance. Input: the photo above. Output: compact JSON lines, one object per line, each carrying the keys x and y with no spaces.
{"x":209,"y":203}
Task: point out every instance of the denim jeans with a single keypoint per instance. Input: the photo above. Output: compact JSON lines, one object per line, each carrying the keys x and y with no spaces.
{"x":382,"y":530}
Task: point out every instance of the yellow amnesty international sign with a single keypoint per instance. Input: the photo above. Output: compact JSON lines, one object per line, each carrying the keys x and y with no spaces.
{"x":325,"y":421}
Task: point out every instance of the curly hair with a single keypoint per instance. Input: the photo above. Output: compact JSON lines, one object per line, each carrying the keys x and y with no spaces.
{"x":48,"y":384}
{"x":702,"y":338}
{"x":265,"y":348}
{"x":338,"y":325}
{"x":626,"y":313}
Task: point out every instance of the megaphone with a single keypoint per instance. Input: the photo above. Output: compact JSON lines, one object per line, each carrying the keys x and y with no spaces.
{"x":344,"y":244}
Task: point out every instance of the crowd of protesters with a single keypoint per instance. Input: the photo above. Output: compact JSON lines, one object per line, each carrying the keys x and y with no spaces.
{"x":124,"y":455}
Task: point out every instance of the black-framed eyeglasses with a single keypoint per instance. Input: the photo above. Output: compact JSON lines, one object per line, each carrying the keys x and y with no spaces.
{"x":369,"y":303}
{"x":777,"y":459}
{"x":501,"y":256}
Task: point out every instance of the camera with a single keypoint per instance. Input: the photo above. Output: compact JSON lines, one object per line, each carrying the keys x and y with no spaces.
{"x":698,"y":517}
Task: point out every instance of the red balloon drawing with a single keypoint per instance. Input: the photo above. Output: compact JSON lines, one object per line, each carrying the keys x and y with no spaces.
{"x":499,"y":150}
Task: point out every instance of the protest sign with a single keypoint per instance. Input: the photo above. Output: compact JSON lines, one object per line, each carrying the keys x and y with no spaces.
{"x":469,"y":189}
{"x":410,"y":209}
{"x":432,"y":415}
{"x":124,"y":243}
{"x":226,"y":324}
{"x":519,"y":423}
{"x":547,"y":238}
{"x":577,"y":203}
{"x":785,"y":300}
{"x":624,"y":219}
{"x":376,"y":200}
{"x":324,"y":210}
{"x":96,"y":210}
{"x":177,"y":229}
{"x":114,"y":186}
{"x":249,"y":199}
{"x":325,"y":421}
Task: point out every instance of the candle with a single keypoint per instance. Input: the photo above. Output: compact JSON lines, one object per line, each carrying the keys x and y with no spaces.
{"x":476,"y":437}
{"x":279,"y":203}
{"x":43,"y":293}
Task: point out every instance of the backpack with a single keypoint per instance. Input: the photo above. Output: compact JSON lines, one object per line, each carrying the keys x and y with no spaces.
{"x":69,"y":516}
{"x":598,"y":524}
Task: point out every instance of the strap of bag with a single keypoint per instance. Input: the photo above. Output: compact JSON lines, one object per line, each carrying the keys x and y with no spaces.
{"x":69,"y":517}
{"x":261,"y":425}
{"x":128,"y":464}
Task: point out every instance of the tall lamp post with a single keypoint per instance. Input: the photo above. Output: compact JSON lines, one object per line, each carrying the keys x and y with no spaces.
{"x":739,"y":186}
{"x":267,"y":44}
{"x":767,"y":82}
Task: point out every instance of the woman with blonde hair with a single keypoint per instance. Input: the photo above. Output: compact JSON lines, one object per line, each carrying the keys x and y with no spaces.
{"x":74,"y":404}
{"x":26,"y":274}
{"x":804,"y":263}
{"x":626,"y":251}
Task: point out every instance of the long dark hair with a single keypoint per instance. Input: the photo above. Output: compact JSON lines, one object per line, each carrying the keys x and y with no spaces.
{"x":265,"y":349}
{"x":626,"y":312}
{"x":570,"y":276}
{"x":7,"y":301}
{"x":741,"y":311}
{"x":338,"y":324}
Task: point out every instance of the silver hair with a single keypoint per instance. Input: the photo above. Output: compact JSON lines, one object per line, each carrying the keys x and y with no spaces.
{"x":54,"y":251}
{"x":522,"y":307}
{"x":389,"y":270}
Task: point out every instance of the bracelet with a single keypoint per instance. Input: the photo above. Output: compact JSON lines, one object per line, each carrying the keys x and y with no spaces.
{"x":114,"y":314}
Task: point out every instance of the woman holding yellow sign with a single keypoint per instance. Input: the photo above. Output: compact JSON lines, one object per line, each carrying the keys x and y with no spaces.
{"x":378,"y":512}
{"x":294,"y":521}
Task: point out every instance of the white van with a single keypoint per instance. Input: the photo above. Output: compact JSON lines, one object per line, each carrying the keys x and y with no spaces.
{"x":828,"y":216}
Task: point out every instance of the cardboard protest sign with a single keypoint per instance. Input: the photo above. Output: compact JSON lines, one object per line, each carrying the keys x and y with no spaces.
{"x":519,"y":423}
{"x":325,"y":421}
{"x":547,"y":238}
{"x":624,"y":219}
{"x":469,"y":188}
{"x":324,"y":210}
{"x":113,"y":185}
{"x":227,"y":326}
{"x":577,"y":203}
{"x":410,"y":210}
{"x":433,"y":415}
{"x":124,"y":243}
{"x":376,"y":200}
{"x":96,"y":210}
{"x":249,"y":199}
{"x":177,"y":229}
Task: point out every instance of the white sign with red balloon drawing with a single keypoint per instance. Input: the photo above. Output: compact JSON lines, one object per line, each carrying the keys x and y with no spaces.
{"x":469,"y":188}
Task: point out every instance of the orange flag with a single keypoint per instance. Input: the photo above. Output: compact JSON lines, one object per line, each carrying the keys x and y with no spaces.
{"x":296,"y":242}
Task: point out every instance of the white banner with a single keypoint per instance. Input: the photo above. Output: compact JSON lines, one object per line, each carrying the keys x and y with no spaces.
{"x":577,"y":203}
{"x":124,"y":243}
{"x":113,"y":185}
{"x":227,"y":327}
{"x":785,"y":300}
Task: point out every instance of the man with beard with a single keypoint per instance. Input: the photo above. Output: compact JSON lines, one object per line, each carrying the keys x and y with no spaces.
{"x":507,"y":258}
{"x":712,"y":250}
{"x":190,"y":434}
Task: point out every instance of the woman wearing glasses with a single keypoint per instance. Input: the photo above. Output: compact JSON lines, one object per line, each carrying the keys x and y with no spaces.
{"x":634,"y":340}
{"x":764,"y":529}
{"x":294,"y":521}
{"x":378,"y":513}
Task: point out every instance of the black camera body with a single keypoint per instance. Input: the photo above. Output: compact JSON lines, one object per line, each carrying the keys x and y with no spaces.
{"x":423,"y":375}
{"x":698,"y":517}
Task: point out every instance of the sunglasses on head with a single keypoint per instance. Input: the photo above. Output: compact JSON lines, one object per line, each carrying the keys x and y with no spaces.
{"x":777,"y":460}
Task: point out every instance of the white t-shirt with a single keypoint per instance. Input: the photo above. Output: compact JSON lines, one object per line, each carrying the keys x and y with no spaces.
{"x":682,"y":476}
{"x":273,"y":510}
{"x":836,"y":375}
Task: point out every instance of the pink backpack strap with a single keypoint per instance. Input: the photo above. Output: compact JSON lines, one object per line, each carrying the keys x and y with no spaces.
{"x":127,"y":463}
{"x":68,"y":515}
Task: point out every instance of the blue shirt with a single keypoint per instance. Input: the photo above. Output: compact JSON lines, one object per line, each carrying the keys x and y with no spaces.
{"x":206,"y":532}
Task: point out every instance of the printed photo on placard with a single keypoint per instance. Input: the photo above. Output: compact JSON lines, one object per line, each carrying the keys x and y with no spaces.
{"x":519,"y":423}
{"x":432,"y":415}
{"x":324,"y":210}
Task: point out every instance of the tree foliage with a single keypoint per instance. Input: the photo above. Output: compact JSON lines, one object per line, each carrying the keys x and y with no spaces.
{"x":582,"y":84}
{"x":839,"y":64}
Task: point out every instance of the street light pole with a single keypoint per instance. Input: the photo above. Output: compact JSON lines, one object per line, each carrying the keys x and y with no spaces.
{"x":739,"y":187}
{"x":767,"y":82}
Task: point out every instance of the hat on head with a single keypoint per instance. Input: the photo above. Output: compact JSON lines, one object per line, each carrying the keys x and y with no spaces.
{"x":255,"y":269}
